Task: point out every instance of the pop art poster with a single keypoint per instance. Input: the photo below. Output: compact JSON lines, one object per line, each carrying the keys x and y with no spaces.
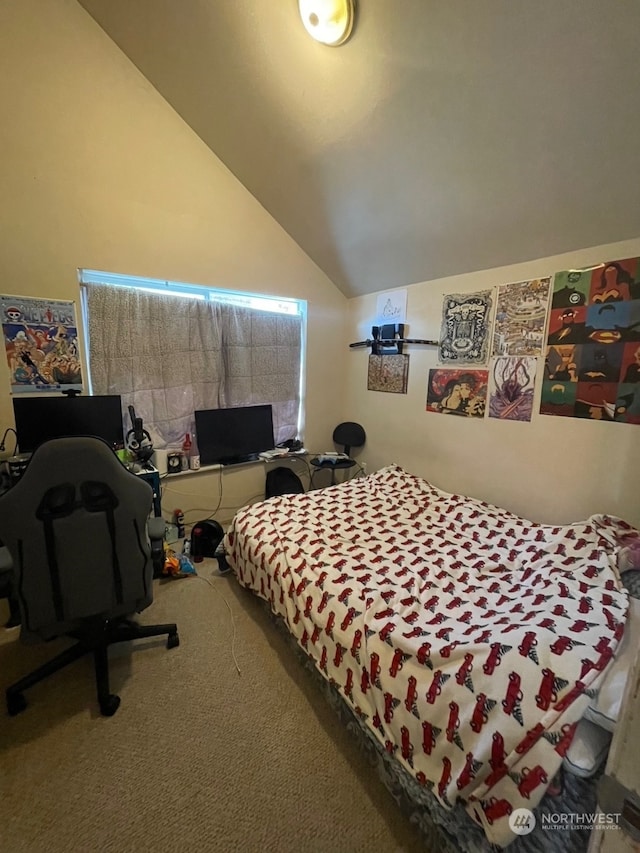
{"x":457,"y":392}
{"x":521,"y":315}
{"x":466,"y":325}
{"x":41,"y":343}
{"x":592,"y":364}
{"x":511,"y":385}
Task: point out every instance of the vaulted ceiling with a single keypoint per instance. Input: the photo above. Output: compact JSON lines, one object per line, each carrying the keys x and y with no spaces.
{"x":443,"y":137}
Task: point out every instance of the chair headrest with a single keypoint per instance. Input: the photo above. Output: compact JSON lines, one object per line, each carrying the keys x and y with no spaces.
{"x":350,"y":434}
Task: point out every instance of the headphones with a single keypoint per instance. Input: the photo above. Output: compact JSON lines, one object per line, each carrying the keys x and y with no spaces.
{"x":138,"y":440}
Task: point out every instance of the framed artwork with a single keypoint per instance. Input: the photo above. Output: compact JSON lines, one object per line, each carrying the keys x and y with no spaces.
{"x":388,"y":373}
{"x":41,"y":344}
{"x":466,"y":324}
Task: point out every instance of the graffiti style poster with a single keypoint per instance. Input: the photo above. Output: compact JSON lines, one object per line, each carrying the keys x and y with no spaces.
{"x":457,"y":392}
{"x":511,"y":386}
{"x":592,"y":364}
{"x":466,"y":323}
{"x":521,"y":315}
{"x":41,"y":344}
{"x":388,"y":373}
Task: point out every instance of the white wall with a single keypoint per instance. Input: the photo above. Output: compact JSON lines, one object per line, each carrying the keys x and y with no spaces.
{"x":553,"y":469}
{"x":98,"y":171}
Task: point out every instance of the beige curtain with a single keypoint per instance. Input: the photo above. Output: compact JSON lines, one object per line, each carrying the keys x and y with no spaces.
{"x":169,"y":356}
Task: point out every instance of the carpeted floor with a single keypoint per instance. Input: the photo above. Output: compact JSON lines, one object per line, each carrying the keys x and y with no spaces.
{"x":198,"y":757}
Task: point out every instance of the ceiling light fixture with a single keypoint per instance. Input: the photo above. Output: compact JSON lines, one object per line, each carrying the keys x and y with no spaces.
{"x":328,"y":21}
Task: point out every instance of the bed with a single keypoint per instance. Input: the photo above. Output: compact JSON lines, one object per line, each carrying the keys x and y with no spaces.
{"x":465,"y":642}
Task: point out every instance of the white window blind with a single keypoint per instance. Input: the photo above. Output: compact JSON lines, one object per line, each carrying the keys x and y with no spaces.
{"x":170,"y":349}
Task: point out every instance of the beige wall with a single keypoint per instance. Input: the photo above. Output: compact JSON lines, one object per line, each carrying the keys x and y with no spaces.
{"x":553,"y":469}
{"x":97,"y":171}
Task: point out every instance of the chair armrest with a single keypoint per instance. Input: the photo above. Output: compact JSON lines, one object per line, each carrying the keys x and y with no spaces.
{"x":6,"y":563}
{"x":156,"y":528}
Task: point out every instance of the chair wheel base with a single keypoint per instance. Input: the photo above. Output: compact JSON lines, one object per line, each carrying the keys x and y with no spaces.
{"x":15,"y":703}
{"x":110,"y":705}
{"x":173,"y":640}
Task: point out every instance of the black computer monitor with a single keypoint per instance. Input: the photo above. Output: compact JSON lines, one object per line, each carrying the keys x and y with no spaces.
{"x":39,"y":419}
{"x":228,"y":436}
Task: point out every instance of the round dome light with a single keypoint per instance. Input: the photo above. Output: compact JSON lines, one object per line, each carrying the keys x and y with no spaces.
{"x":328,"y":21}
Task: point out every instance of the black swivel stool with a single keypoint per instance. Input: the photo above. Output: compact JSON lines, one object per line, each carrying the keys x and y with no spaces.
{"x":347,"y":434}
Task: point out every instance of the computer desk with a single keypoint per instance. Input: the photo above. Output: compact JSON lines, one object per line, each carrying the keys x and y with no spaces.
{"x":151,"y":476}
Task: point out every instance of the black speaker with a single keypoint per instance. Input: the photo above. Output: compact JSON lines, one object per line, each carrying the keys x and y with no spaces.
{"x":205,"y":537}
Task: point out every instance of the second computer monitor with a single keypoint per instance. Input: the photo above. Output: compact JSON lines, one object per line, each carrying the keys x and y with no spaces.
{"x":39,"y":419}
{"x":227,"y":436}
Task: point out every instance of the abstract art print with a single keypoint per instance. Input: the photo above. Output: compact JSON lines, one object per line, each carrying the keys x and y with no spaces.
{"x":41,"y":344}
{"x":521,"y":315}
{"x":457,"y":392}
{"x":592,"y":364}
{"x":388,"y":373}
{"x":511,"y":386}
{"x":466,"y":324}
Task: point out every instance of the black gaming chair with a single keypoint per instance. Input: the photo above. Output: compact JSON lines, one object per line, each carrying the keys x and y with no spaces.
{"x":77,"y":529}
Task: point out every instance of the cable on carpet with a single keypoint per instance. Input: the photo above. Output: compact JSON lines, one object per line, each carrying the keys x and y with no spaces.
{"x":233,"y":622}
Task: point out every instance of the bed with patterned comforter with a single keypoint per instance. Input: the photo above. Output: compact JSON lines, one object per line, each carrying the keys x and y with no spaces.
{"x":467,"y":640}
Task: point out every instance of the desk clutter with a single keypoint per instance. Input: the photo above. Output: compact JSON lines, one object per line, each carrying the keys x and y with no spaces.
{"x":212,"y":439}
{"x":348,"y":434}
{"x":282,"y":452}
{"x":330,"y":458}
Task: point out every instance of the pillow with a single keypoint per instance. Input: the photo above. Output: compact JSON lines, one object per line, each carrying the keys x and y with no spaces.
{"x":629,"y":555}
{"x":605,"y":707}
{"x":588,"y":749}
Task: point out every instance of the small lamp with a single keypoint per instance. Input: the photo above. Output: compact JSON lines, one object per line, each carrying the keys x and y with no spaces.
{"x":328,"y":21}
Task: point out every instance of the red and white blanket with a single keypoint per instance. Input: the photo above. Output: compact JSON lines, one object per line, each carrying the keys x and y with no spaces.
{"x":468,"y":639}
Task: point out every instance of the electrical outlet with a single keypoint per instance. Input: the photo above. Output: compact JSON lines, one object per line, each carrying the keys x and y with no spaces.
{"x":363,"y":465}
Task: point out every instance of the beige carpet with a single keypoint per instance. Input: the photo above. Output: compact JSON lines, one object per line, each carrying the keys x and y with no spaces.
{"x":198,"y":758}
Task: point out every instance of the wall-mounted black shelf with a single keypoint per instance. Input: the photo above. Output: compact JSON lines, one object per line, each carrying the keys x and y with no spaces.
{"x":389,"y":340}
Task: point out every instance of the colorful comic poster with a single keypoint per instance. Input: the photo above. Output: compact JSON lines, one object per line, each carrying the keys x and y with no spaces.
{"x":511,"y":385}
{"x":41,"y":343}
{"x":592,"y":364}
{"x":521,"y":315}
{"x":388,"y":373}
{"x":457,"y":392}
{"x":466,"y":324}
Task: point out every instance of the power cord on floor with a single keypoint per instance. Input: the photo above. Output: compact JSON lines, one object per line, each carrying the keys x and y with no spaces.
{"x":233,"y":622}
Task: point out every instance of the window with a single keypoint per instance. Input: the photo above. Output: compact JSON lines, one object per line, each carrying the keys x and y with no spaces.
{"x":170,"y":349}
